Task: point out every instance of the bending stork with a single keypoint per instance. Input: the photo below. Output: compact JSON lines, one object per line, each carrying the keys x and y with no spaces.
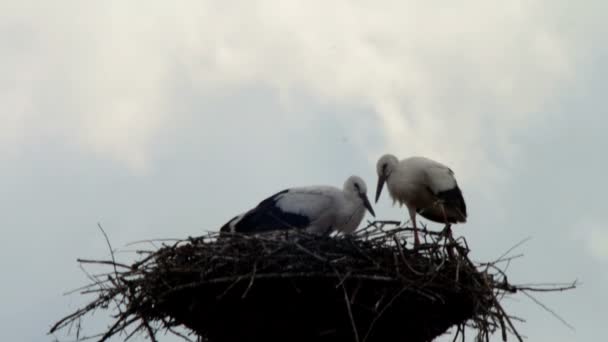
{"x":425,"y":186}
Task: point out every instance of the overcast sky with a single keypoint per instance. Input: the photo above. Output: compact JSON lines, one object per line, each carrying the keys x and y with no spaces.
{"x":161,"y":119}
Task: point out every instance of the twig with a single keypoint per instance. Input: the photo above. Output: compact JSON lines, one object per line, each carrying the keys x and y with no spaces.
{"x":553,"y":313}
{"x":513,"y":248}
{"x":103,"y":262}
{"x":255,"y":268}
{"x":109,"y":247}
{"x":350,"y":314}
{"x":390,"y":302}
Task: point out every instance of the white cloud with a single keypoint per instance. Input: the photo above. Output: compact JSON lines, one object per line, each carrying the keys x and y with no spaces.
{"x":597,"y":243}
{"x":85,"y":74}
{"x":592,"y":235}
{"x":445,"y":81}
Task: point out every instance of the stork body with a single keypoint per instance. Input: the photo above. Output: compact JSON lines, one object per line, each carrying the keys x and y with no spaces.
{"x":315,"y":209}
{"x":424,"y":186}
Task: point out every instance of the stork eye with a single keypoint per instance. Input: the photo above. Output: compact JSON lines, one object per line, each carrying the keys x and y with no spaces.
{"x":357,"y":186}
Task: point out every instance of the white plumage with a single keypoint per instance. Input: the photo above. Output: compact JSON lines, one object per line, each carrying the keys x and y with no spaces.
{"x":425,"y":186}
{"x":316,"y":209}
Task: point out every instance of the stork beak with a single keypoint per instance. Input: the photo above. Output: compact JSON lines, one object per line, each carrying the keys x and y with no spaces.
{"x":381,"y":181}
{"x":367,"y":204}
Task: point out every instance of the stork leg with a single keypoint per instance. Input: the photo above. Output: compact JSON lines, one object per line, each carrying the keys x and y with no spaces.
{"x":447,"y":231}
{"x":412,"y":211}
{"x":448,"y":226}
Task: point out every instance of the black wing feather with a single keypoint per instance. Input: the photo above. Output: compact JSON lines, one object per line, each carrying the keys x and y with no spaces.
{"x":267,"y":216}
{"x":453,"y":202}
{"x":454,"y":198}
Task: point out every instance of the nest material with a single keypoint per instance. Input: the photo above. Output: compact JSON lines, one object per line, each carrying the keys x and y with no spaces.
{"x":298,"y":287}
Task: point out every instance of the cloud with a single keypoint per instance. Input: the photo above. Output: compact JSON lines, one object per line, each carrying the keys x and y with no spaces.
{"x":597,"y":243}
{"x":83,"y":75}
{"x":441,"y":80}
{"x":592,"y":235}
{"x":451,"y":82}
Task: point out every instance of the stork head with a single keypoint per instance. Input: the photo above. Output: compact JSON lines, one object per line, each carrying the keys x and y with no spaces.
{"x":355,"y":185}
{"x":385,"y":166}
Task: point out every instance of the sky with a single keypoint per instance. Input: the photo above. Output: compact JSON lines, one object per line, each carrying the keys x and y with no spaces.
{"x":164,"y":120}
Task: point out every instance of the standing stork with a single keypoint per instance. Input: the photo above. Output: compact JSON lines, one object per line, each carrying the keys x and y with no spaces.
{"x":425,"y":186}
{"x":315,"y":209}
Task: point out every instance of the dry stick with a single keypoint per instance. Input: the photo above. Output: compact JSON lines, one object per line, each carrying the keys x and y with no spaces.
{"x":63,"y":322}
{"x":84,"y":287}
{"x":139,"y":327}
{"x":255,"y":267}
{"x":84,"y":338}
{"x":116,"y":275}
{"x":463,"y":332}
{"x":285,"y":275}
{"x":548,"y":310}
{"x":91,"y":277}
{"x":559,"y":285}
{"x":456,"y":334}
{"x":236,"y":281}
{"x":390,"y":302}
{"x":554,"y":289}
{"x":498,"y":261}
{"x":131,"y":251}
{"x":460,"y":328}
{"x":391,"y":222}
{"x":508,"y":319}
{"x":118,"y":326}
{"x":151,"y":241}
{"x":316,"y":256}
{"x":404,"y":259}
{"x":503,"y":330}
{"x":396,"y":261}
{"x":350,"y":313}
{"x":109,"y":247}
{"x":362,"y":253}
{"x":136,"y":265}
{"x":502,"y":316}
{"x":78,"y":326}
{"x":176,"y":333}
{"x":70,"y":318}
{"x":103,"y":262}
{"x":513,"y":248}
{"x":151,"y":332}
{"x":356,"y":291}
{"x":342,"y":279}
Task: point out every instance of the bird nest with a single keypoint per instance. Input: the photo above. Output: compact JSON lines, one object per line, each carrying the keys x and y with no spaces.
{"x":371,"y":286}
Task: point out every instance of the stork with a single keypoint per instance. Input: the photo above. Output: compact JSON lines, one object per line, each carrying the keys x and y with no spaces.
{"x":425,"y":186}
{"x":315,"y":209}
